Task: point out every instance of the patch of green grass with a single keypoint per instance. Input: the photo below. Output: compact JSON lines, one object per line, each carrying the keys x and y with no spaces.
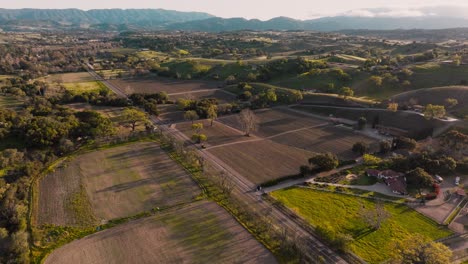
{"x":82,"y":87}
{"x":200,"y":229}
{"x":78,"y":204}
{"x":340,"y":211}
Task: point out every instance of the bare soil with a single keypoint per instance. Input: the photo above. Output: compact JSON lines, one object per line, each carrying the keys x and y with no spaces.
{"x":200,"y":233}
{"x":262,"y":161}
{"x":118,"y":182}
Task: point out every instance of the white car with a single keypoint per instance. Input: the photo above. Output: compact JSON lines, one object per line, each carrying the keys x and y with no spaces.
{"x":439,"y":179}
{"x":457,"y":180}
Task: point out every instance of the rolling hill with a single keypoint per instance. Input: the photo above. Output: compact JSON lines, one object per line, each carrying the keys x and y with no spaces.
{"x":11,"y":19}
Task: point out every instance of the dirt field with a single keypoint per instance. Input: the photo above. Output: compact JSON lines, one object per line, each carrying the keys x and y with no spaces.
{"x":325,"y":139}
{"x":200,"y":233}
{"x":217,"y":134}
{"x":153,"y":86}
{"x":113,"y":183}
{"x":275,"y":121}
{"x":75,"y":77}
{"x":262,"y":161}
{"x":223,"y":97}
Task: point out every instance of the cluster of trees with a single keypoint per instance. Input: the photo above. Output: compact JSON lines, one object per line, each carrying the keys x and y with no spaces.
{"x":149,"y":102}
{"x":264,"y":96}
{"x":289,"y":66}
{"x":38,"y":57}
{"x":432,"y":163}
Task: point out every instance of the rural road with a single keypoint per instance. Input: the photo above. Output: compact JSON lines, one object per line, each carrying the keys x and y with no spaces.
{"x":244,"y":189}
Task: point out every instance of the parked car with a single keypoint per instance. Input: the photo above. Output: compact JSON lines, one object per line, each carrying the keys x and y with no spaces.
{"x":439,"y":179}
{"x":457,"y":180}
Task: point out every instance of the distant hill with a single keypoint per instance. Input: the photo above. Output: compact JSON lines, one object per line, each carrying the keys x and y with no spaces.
{"x":11,"y":19}
{"x":144,"y":18}
{"x":322,"y":24}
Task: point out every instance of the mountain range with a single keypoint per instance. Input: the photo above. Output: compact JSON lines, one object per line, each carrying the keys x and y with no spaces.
{"x":159,"y":19}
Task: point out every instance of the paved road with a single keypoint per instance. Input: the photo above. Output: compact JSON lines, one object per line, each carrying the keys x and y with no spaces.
{"x":245,"y":188}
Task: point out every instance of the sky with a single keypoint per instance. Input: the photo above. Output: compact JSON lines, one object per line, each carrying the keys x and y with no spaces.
{"x":266,"y":9}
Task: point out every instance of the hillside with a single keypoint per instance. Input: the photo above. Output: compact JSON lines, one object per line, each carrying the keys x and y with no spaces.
{"x":437,"y":96}
{"x":14,"y":19}
{"x":321,"y":24}
{"x":138,"y":17}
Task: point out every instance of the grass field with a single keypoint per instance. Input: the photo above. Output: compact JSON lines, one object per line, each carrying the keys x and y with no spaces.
{"x":200,"y":233}
{"x":341,"y":213}
{"x":81,"y":87}
{"x":112,"y":183}
{"x":161,"y":85}
{"x":222,"y":96}
{"x":436,"y":95}
{"x":262,"y":161}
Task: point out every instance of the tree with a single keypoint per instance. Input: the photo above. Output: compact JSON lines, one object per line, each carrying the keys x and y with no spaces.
{"x":346,"y":91}
{"x":418,"y":249}
{"x":371,"y":159}
{"x":360,"y":147}
{"x":248,"y":121}
{"x":392,"y":107}
{"x":362,"y":123}
{"x":191,"y":115}
{"x":450,"y":102}
{"x":434,"y":111}
{"x":325,"y":161}
{"x":212,"y":113}
{"x":133,"y":116}
{"x":376,"y":80}
{"x":405,"y":143}
{"x":419,"y":178}
{"x":374,"y":217}
{"x":385,"y":146}
{"x":199,"y":138}
{"x":197,"y":127}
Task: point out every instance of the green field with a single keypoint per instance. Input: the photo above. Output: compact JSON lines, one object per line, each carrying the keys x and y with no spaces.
{"x":81,"y":87}
{"x":341,"y":213}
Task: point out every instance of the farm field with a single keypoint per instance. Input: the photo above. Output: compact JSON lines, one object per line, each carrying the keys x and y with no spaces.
{"x":217,"y":134}
{"x":112,"y":183}
{"x":82,"y":87}
{"x":275,"y":121}
{"x":325,"y":139}
{"x":340,"y":212}
{"x":222,"y":96}
{"x":10,"y":102}
{"x":262,"y":161}
{"x":76,"y":77}
{"x":130,"y":86}
{"x":198,"y":233}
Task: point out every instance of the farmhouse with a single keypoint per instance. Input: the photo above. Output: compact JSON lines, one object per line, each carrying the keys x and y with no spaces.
{"x":397,"y":185}
{"x":386,"y":174}
{"x":396,"y":181}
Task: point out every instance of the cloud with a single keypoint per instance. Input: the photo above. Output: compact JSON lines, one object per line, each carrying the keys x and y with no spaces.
{"x":438,"y":11}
